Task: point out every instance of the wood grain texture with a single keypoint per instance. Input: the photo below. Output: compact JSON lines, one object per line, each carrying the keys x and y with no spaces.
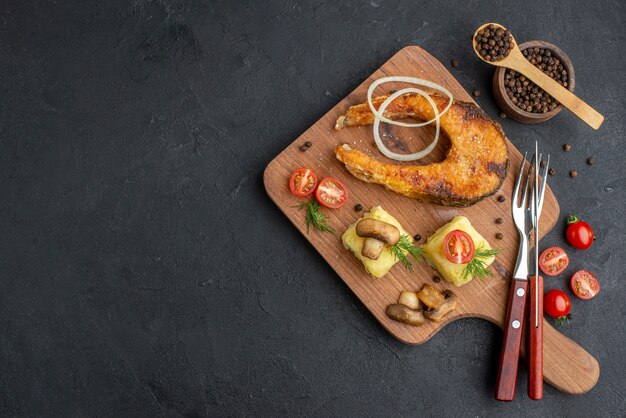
{"x":568,"y":367}
{"x":512,"y":341}
{"x":535,"y":339}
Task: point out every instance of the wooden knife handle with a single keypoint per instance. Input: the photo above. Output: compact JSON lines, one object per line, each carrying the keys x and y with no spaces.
{"x":535,"y":341}
{"x":513,"y":326}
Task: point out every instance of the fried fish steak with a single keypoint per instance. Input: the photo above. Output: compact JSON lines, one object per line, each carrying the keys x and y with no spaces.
{"x":475,"y":165}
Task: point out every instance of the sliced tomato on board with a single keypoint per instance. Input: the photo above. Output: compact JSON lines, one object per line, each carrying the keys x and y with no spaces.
{"x":458,"y":247}
{"x":584,"y":284}
{"x":331,"y":193}
{"x":302,"y":182}
{"x":553,"y":261}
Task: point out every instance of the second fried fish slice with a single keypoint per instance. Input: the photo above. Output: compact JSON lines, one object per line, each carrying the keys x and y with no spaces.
{"x":475,"y":165}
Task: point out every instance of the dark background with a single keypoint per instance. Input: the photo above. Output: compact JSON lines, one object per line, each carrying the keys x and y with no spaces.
{"x":143,"y":269}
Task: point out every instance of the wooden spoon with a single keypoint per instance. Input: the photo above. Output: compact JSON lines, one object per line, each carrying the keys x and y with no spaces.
{"x":516,"y":61}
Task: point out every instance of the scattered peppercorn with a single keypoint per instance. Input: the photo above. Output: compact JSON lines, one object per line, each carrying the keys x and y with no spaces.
{"x":358,"y":207}
{"x":436,"y":279}
{"x":542,"y":163}
{"x":455,"y":63}
{"x":552,"y":171}
{"x":591,"y":161}
{"x":501,"y":198}
{"x":573,"y":173}
{"x":499,"y":235}
{"x":502,"y":115}
{"x":476,"y":93}
{"x":527,"y":95}
{"x":493,"y":43}
{"x":303,"y":148}
{"x":499,"y":221}
{"x":417,"y":237}
{"x":567,"y":147}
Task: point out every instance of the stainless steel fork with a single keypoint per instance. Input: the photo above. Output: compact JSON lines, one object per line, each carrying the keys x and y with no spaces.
{"x":524,"y":205}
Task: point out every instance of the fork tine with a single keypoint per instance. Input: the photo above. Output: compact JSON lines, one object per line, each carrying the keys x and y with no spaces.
{"x":515,"y":198}
{"x":542,"y":189}
{"x":531,"y":168}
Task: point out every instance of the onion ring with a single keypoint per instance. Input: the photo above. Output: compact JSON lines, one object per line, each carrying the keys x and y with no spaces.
{"x":410,"y":80}
{"x":407,"y":157}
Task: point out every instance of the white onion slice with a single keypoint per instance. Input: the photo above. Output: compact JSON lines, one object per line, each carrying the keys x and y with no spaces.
{"x":378,"y":114}
{"x":407,"y":157}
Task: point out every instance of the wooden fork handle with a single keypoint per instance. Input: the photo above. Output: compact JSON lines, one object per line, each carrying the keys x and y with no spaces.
{"x":535,"y":341}
{"x":513,"y":326}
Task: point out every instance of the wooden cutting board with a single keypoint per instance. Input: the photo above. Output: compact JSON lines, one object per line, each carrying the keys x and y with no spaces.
{"x":567,"y":366}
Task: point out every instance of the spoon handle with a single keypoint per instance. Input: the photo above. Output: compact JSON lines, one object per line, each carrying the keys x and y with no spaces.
{"x":581,"y":109}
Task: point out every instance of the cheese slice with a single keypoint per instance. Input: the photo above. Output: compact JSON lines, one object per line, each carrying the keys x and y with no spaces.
{"x":433,"y":250}
{"x":377,"y":268}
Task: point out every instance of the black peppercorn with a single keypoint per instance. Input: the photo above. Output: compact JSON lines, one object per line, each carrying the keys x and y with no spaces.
{"x":542,"y":163}
{"x":436,"y":279}
{"x":502,"y":115}
{"x":358,"y":207}
{"x":499,"y":221}
{"x":567,"y":147}
{"x":591,"y":161}
{"x":552,"y":171}
{"x":476,"y":93}
{"x":455,"y":63}
{"x":573,"y":173}
{"x":499,"y":235}
{"x":530,"y":97}
{"x":501,"y":198}
{"x":417,"y":237}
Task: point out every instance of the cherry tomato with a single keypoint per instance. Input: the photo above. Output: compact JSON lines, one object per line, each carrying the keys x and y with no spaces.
{"x":458,"y":247}
{"x":302,"y":182}
{"x":579,"y":233}
{"x":584,"y":284}
{"x":331,"y":193}
{"x":553,"y":261}
{"x":556,"y":303}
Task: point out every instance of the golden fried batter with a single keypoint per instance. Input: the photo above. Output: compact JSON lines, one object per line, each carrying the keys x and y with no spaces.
{"x":474,"y":168}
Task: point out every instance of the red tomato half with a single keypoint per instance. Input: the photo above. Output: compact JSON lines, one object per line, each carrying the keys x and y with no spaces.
{"x":331,"y":193}
{"x":584,"y":284}
{"x":556,"y":303}
{"x":458,"y":247}
{"x":553,"y":261}
{"x":302,"y":182}
{"x":579,"y":234}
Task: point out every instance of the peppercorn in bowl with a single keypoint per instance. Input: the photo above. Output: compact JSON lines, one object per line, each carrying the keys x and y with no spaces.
{"x":519,"y":97}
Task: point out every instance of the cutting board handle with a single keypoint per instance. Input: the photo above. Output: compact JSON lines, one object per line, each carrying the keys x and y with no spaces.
{"x":566,"y":365}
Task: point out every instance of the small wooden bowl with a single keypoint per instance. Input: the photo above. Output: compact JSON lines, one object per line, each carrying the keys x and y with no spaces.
{"x":514,"y":112}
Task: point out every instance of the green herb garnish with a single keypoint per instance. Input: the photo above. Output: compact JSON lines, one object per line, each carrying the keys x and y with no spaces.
{"x":477,"y":267}
{"x":315,"y":217}
{"x":399,"y":248}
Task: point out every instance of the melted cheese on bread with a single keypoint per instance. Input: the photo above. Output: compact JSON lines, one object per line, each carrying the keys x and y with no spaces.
{"x":433,"y":250}
{"x":377,"y":268}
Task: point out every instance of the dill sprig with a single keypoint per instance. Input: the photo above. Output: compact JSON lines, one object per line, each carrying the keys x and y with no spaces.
{"x":315,"y":217}
{"x":399,"y":248}
{"x":477,"y":267}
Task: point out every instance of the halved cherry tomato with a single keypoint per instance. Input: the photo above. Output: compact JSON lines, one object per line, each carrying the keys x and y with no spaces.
{"x":556,"y":303}
{"x":579,"y":233}
{"x":553,"y":261}
{"x":302,"y":182}
{"x":584,"y":284}
{"x":458,"y":247}
{"x":331,"y":193}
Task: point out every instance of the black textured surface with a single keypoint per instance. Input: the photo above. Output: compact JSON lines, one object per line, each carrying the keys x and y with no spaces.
{"x":145,"y":272}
